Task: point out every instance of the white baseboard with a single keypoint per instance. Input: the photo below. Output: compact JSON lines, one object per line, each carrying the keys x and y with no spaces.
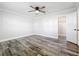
{"x":14,"y":38}
{"x":25,"y":36}
{"x":56,"y":37}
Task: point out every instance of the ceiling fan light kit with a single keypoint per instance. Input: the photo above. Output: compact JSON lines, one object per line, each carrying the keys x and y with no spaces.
{"x":36,"y":11}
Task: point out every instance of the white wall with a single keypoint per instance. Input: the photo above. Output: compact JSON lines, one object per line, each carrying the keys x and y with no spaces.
{"x":14,"y":26}
{"x":0,"y":25}
{"x":47,"y":26}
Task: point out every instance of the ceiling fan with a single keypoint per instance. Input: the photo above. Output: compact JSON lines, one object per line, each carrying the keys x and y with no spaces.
{"x":37,"y":9}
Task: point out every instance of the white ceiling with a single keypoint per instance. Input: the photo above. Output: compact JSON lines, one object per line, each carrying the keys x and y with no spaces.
{"x":23,"y":7}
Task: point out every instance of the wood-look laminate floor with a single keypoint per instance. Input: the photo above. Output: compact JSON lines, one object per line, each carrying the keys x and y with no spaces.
{"x":37,"y":45}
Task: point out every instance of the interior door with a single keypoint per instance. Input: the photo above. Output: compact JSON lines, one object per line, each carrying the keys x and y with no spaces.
{"x":72,"y":33}
{"x":62,"y":33}
{"x":62,"y":29}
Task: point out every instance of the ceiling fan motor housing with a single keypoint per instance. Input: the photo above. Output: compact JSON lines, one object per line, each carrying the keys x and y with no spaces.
{"x":37,"y":8}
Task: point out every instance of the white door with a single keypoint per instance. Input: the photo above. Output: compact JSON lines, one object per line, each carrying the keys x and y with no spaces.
{"x":71,"y":33}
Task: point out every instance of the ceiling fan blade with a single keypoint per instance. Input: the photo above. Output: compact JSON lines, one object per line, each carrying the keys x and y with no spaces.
{"x":42,"y":11}
{"x":32,"y":7}
{"x":42,"y":7}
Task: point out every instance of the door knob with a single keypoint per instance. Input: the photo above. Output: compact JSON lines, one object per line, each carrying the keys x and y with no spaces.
{"x":76,"y":29}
